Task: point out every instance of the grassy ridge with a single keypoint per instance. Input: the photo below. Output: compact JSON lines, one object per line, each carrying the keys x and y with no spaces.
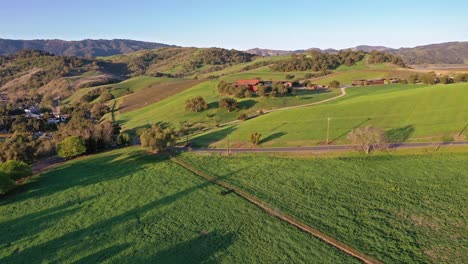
{"x":126,"y":206}
{"x":397,"y":208}
{"x":416,"y":112}
{"x":172,"y":109}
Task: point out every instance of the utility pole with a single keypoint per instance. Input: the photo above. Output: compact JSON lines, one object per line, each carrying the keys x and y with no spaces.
{"x":186,"y":134}
{"x":328,"y":131}
{"x":228,"y":144}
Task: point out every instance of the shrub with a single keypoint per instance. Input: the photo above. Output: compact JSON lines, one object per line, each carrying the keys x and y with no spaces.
{"x":71,"y":147}
{"x":6,"y":184}
{"x":15,"y":170}
{"x":254,"y":138}
{"x":243,"y":117}
{"x":196,"y":104}
{"x":123,"y":140}
{"x":334,"y":84}
{"x":229,"y":104}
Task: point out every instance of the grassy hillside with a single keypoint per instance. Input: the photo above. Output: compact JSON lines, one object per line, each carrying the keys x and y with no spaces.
{"x":415,"y":112}
{"x":126,"y":206}
{"x":172,"y":109}
{"x":398,"y":208}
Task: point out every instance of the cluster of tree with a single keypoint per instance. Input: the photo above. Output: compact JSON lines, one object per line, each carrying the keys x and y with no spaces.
{"x":10,"y":172}
{"x":382,"y":57}
{"x":158,"y":137}
{"x":232,"y":89}
{"x":317,"y":61}
{"x":241,"y":91}
{"x":103,"y":94}
{"x":432,"y":78}
{"x":96,"y":136}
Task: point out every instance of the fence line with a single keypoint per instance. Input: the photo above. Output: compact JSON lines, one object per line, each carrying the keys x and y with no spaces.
{"x":279,"y":214}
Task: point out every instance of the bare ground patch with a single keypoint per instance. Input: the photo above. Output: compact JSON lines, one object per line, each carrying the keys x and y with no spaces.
{"x":153,"y":94}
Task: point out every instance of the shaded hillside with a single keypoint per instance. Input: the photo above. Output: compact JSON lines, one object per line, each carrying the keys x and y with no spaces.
{"x":452,"y":53}
{"x":82,"y":48}
{"x":180,"y":61}
{"x":34,"y":71}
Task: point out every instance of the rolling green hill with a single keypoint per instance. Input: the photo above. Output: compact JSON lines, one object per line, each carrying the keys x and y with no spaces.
{"x":172,"y":109}
{"x":421,"y":112}
{"x":126,"y":206}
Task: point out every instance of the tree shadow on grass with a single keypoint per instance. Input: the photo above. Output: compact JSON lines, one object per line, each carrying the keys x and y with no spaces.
{"x":82,"y":172}
{"x":213,"y":137}
{"x":31,"y":224}
{"x":246,"y":104}
{"x":347,"y":132}
{"x":399,"y":135}
{"x":272,"y":137}
{"x":213,"y":105}
{"x":198,"y":250}
{"x":87,"y":239}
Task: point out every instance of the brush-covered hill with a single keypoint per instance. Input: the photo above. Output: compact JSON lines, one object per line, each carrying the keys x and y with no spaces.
{"x":450,"y":53}
{"x":180,"y":61}
{"x":81,"y":48}
{"x":443,"y":53}
{"x":53,"y":76}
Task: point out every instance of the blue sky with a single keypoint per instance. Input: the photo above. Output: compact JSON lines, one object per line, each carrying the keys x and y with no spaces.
{"x":241,"y":24}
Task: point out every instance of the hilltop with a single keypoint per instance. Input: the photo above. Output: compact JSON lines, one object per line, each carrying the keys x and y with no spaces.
{"x":450,"y":52}
{"x":81,"y":48}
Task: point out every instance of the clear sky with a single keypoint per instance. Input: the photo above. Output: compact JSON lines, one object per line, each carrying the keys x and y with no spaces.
{"x":241,"y":24}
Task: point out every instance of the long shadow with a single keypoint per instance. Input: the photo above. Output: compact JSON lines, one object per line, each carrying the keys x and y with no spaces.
{"x":210,"y":138}
{"x":31,"y":224}
{"x":102,"y":255}
{"x":213,"y":105}
{"x":399,"y":135}
{"x":246,"y":104}
{"x":82,"y":173}
{"x":347,"y":132}
{"x":272,"y":137}
{"x":75,"y":241}
{"x":198,"y":250}
{"x":463,"y":130}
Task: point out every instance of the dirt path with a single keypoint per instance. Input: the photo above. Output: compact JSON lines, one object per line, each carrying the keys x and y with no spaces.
{"x":343,"y":93}
{"x":280,"y":215}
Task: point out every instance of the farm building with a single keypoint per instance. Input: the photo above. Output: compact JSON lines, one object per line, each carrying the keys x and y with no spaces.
{"x":363,"y":82}
{"x":250,"y":83}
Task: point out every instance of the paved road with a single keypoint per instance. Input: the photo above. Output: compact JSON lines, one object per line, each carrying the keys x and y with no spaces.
{"x":319,"y":148}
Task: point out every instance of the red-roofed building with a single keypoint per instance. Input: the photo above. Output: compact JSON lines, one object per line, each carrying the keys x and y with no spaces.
{"x":250,"y":83}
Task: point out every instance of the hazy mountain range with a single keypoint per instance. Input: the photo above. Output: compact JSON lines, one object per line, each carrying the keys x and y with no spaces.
{"x":81,"y":48}
{"x":450,"y":52}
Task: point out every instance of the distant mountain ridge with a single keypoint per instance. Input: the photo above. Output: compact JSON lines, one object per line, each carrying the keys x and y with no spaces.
{"x":450,"y":52}
{"x":80,"y":48}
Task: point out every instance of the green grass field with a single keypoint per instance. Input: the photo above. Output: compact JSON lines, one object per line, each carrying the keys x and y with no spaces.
{"x":405,"y":207}
{"x":126,"y":206}
{"x":409,"y":112}
{"x":172,"y":109}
